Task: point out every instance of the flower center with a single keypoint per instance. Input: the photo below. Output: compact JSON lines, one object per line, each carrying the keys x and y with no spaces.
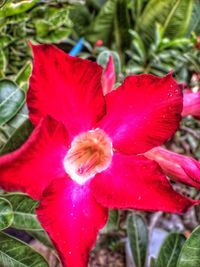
{"x":90,"y":153}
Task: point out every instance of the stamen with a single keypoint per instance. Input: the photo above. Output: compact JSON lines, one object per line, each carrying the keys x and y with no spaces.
{"x":90,"y":153}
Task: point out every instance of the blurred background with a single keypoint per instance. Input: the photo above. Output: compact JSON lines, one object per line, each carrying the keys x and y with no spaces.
{"x":143,"y":36}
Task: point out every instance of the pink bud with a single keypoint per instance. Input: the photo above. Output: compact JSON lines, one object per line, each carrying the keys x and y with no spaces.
{"x":108,"y":78}
{"x":178,"y":168}
{"x":191,"y":104}
{"x":98,"y":43}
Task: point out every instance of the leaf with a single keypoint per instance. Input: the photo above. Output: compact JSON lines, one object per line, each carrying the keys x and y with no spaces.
{"x":19,"y":136}
{"x":6,"y":213}
{"x":195,"y":19}
{"x":11,"y":100}
{"x":112,"y":21}
{"x":42,"y":237}
{"x":103,"y":24}
{"x":189,"y":256}
{"x":173,"y":15}
{"x":10,"y":9}
{"x":170,"y":250}
{"x":15,"y":253}
{"x":3,"y":63}
{"x":138,"y":238}
{"x":24,"y":212}
{"x":113,"y":221}
{"x":23,"y":75}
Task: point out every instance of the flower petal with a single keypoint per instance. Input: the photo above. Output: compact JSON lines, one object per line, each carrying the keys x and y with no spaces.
{"x":40,"y":160}
{"x":177,"y":167}
{"x":72,"y":218}
{"x":67,"y":88}
{"x":136,"y":182}
{"x":142,"y":113}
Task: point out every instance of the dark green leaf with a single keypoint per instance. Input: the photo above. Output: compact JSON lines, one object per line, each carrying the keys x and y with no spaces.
{"x":11,"y":100}
{"x":111,"y":22}
{"x":15,"y":253}
{"x":42,"y":237}
{"x":113,"y":221}
{"x":190,"y":252}
{"x":24,"y":212}
{"x":19,"y":136}
{"x":138,"y":238}
{"x":6,"y":214}
{"x":170,"y":250}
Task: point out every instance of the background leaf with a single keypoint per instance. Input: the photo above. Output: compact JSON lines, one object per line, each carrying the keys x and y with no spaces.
{"x":170,"y":250}
{"x":6,"y":214}
{"x":24,"y":212}
{"x":11,"y":100}
{"x":19,"y":136}
{"x":15,"y":253}
{"x":138,"y":238}
{"x":190,"y":252}
{"x":173,"y":15}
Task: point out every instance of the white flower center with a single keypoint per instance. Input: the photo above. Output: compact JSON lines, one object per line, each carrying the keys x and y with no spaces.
{"x":90,"y":153}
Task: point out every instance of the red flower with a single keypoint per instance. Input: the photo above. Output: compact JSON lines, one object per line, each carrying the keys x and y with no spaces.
{"x":191,"y":104}
{"x":82,"y":157}
{"x":179,"y":168}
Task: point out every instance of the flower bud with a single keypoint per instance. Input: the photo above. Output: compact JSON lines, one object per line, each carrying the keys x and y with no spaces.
{"x":191,"y":104}
{"x":178,"y":168}
{"x":108,"y":78}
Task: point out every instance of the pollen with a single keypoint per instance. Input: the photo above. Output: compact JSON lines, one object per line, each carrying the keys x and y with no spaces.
{"x":90,"y":153}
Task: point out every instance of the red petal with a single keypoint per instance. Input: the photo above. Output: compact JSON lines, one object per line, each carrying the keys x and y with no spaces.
{"x":40,"y":160}
{"x":108,"y":78}
{"x":136,"y":182}
{"x":142,"y":113}
{"x":178,"y":167}
{"x":72,"y":218}
{"x":67,"y":88}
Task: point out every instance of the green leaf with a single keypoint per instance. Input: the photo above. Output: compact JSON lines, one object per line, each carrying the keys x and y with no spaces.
{"x":138,"y":238}
{"x":170,"y":250}
{"x":138,"y":45}
{"x":189,"y":256}
{"x":15,"y":253}
{"x":6,"y":213}
{"x":24,"y":212}
{"x":153,"y":262}
{"x":113,"y":221}
{"x":10,"y":9}
{"x":42,"y":237}
{"x":3,"y":63}
{"x":103,"y":24}
{"x":19,"y":136}
{"x":195,"y":19}
{"x":173,"y":15}
{"x":111,"y":22}
{"x":23,"y":75}
{"x":11,"y":100}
